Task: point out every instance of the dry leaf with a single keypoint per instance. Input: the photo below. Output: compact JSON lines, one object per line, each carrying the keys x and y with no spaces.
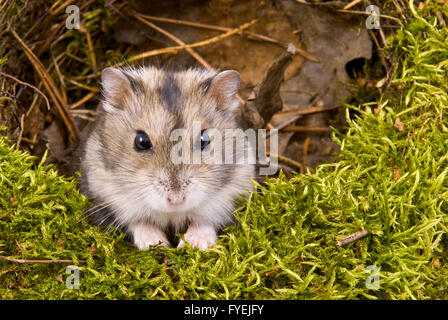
{"x":436,"y":263}
{"x":59,"y":278}
{"x":397,"y":174}
{"x":381,"y":83}
{"x":376,"y":110}
{"x":399,"y":125}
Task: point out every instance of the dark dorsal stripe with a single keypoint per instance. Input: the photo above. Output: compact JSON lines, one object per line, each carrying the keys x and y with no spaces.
{"x":169,"y":92}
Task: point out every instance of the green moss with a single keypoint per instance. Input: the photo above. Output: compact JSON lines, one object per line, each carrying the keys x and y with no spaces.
{"x":389,"y":180}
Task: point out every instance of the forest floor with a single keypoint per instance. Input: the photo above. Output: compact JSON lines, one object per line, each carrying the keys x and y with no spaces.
{"x":370,"y":224}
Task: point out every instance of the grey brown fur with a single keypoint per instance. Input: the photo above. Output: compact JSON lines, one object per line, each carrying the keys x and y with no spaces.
{"x":139,"y":188}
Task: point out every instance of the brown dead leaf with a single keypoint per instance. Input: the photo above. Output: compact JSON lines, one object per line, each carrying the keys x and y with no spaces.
{"x":397,"y":174}
{"x":399,"y":125}
{"x":272,"y":272}
{"x":376,"y":110}
{"x":59,"y":278}
{"x":436,"y":263}
{"x":60,"y":243}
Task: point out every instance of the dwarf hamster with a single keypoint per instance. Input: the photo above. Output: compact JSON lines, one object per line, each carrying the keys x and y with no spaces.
{"x":127,"y":163}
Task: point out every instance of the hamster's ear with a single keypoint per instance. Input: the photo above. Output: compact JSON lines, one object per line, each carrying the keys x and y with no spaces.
{"x":224,"y":87}
{"x":116,"y":86}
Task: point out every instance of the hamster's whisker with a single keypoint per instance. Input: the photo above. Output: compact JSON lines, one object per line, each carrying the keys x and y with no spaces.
{"x":91,"y":211}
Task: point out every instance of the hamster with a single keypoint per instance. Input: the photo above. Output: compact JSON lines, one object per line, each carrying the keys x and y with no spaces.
{"x":127,"y":163}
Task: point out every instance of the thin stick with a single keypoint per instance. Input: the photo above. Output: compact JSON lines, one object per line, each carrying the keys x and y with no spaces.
{"x":380,"y":52}
{"x":306,"y":144}
{"x":37,"y":261}
{"x":173,"y":50}
{"x":193,"y":45}
{"x":90,"y":47}
{"x":305,"y":129}
{"x":83,"y":86}
{"x":83,"y":100}
{"x":72,"y":56}
{"x":352,"y":4}
{"x":353,"y":237}
{"x":88,"y":76}
{"x":308,"y":110}
{"x":286,"y":160}
{"x":28,"y":85}
{"x":50,"y":87}
{"x":22,"y":127}
{"x":297,"y":114}
{"x":247,"y":34}
{"x":368,"y":14}
{"x":61,"y":77}
{"x":55,"y":11}
{"x":193,"y":53}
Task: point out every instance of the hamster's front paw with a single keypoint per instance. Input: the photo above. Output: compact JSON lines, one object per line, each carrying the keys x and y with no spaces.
{"x":199,"y":236}
{"x":147,"y":235}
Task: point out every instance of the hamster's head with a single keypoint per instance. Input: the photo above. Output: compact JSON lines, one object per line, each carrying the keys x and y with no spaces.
{"x":160,"y":138}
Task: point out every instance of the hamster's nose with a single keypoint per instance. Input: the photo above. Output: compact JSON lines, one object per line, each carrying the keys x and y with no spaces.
{"x":175,"y":200}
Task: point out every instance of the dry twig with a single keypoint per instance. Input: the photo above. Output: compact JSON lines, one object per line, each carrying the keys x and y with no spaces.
{"x":368,"y":14}
{"x":22,"y":261}
{"x":22,"y":127}
{"x":286,"y":160}
{"x":193,"y":53}
{"x":304,"y":129}
{"x":28,"y":85}
{"x":306,"y":144}
{"x":50,"y":87}
{"x":247,"y":34}
{"x":352,"y":4}
{"x":83,"y":100}
{"x":176,"y":49}
{"x":353,"y":237}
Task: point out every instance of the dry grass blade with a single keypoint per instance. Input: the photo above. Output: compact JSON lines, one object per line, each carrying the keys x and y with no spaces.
{"x":305,"y":129}
{"x":83,"y":86}
{"x":352,"y":4}
{"x":247,"y":34}
{"x":90,"y":48}
{"x":22,"y":261}
{"x":50,"y":86}
{"x":286,"y":160}
{"x":28,"y":85}
{"x":306,"y":145}
{"x":308,"y":110}
{"x":368,"y":14}
{"x":22,"y":127}
{"x":174,"y":50}
{"x":83,"y":100}
{"x":193,"y":53}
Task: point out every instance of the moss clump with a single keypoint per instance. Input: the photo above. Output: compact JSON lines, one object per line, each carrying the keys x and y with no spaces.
{"x":390,"y":178}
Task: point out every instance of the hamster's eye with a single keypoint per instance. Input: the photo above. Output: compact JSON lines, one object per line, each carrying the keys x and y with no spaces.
{"x":142,"y":142}
{"x":205,"y":139}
